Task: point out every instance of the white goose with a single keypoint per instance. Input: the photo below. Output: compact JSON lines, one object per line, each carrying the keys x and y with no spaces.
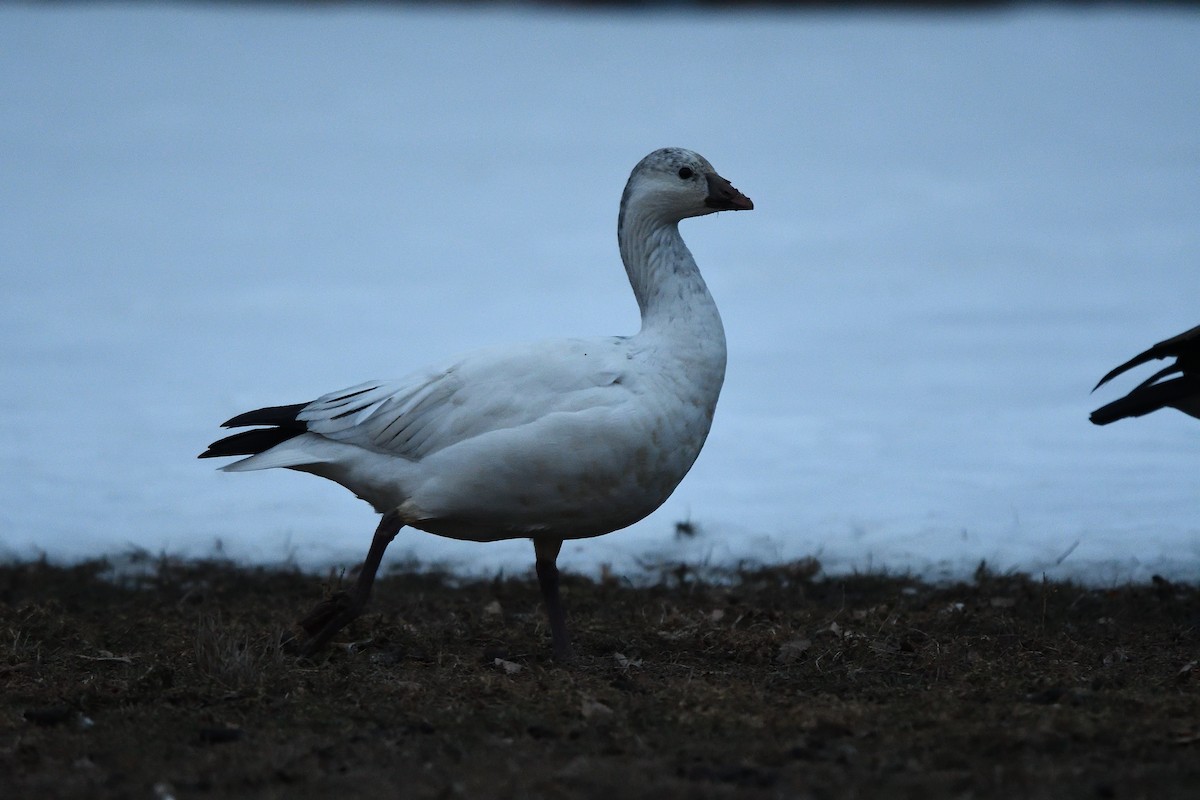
{"x":549,"y":441}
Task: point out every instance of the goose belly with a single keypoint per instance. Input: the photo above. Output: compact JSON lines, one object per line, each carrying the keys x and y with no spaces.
{"x":571,"y":476}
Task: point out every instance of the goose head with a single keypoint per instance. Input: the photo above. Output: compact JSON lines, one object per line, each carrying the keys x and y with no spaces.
{"x":674,"y":184}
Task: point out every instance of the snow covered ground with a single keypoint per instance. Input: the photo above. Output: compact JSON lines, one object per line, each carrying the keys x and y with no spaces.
{"x":961,"y":222}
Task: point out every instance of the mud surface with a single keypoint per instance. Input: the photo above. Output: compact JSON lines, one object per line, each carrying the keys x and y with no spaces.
{"x":167,"y":681}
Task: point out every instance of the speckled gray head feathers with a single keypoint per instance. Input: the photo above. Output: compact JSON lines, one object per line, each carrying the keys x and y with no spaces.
{"x":671,"y":160}
{"x":675,"y":183}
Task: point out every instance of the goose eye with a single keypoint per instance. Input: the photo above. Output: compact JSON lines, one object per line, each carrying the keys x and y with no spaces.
{"x":686,"y":172}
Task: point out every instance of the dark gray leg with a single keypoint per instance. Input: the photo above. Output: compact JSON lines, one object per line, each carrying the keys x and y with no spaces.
{"x":331,"y":615}
{"x":546,"y":552}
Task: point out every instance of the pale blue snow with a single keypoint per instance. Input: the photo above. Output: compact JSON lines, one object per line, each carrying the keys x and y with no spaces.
{"x":961,"y":222}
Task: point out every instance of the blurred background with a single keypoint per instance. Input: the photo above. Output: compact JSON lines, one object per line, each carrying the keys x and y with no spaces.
{"x":964,"y":217}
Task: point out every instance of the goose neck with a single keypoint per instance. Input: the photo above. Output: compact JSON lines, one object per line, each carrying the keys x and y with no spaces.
{"x":666,"y":281}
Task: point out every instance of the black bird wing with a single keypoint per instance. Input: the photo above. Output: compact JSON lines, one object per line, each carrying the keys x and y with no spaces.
{"x":1175,"y":386}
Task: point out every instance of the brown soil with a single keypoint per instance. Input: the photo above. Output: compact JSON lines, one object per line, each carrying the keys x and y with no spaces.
{"x":168,"y":682}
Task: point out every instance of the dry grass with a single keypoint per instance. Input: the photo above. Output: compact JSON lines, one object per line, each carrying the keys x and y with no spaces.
{"x":167,"y":680}
{"x":235,"y":661}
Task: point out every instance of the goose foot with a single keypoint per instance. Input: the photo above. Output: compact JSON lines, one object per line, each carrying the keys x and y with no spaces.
{"x":327,"y":618}
{"x":335,"y":606}
{"x":341,"y":608}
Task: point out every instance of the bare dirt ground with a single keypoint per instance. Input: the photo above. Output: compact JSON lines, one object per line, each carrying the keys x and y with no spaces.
{"x":168,"y":682}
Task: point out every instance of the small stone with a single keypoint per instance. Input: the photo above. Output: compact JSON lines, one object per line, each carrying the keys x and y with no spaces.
{"x":509,"y":667}
{"x":790,"y":652}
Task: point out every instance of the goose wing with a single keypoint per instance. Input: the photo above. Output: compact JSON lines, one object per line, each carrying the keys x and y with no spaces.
{"x":1175,"y":386}
{"x":490,"y":390}
{"x":1185,"y":347}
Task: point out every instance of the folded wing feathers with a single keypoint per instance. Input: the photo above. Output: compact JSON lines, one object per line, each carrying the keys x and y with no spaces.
{"x":1182,"y":388}
{"x":1185,"y":347}
{"x":385,"y":417}
{"x":1162,"y":373}
{"x":419,"y":415}
{"x":1145,"y":399}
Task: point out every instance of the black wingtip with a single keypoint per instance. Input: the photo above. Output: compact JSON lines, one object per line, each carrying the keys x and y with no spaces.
{"x":282,"y":416}
{"x":1184,"y":346}
{"x":283,"y":422}
{"x":1176,"y":393}
{"x":250,"y":443}
{"x":1132,"y":405}
{"x":1181,"y":392}
{"x":1138,"y":360}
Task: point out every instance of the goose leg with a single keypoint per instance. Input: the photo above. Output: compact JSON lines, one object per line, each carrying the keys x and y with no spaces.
{"x":331,"y":615}
{"x":546,"y":552}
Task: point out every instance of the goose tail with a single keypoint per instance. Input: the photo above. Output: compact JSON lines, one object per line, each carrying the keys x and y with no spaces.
{"x":281,"y":423}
